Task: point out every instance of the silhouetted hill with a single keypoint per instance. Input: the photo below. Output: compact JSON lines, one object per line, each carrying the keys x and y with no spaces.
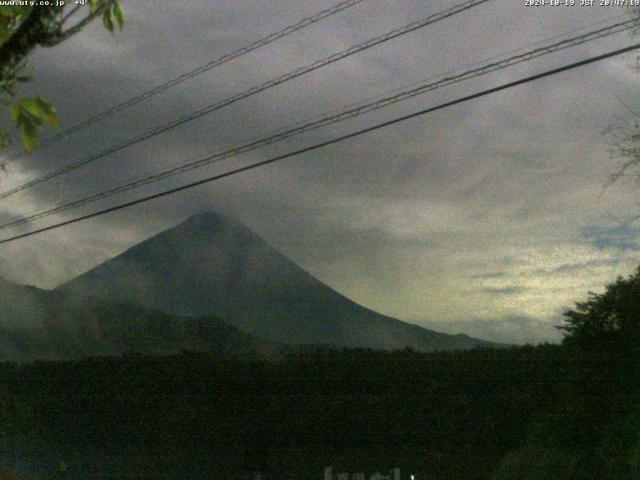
{"x":212,"y":265}
{"x":40,"y":324}
{"x":23,"y":309}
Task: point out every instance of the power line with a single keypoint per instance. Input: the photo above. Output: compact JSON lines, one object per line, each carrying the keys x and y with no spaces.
{"x":335,"y":118}
{"x":332,"y":141}
{"x":305,"y":22}
{"x":252,"y":91}
{"x":476,"y":63}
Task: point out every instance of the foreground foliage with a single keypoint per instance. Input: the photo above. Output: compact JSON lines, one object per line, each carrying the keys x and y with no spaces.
{"x":440,"y":415}
{"x":594,"y":431}
{"x":24,"y":27}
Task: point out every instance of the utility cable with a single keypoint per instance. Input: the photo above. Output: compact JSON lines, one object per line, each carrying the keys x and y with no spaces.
{"x":305,"y":22}
{"x":332,"y":141}
{"x":329,"y":120}
{"x":248,"y":93}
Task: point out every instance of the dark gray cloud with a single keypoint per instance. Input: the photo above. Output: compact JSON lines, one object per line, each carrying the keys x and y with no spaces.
{"x":489,"y":275}
{"x":619,"y":237}
{"x":504,"y":290}
{"x":572,"y":268}
{"x":439,"y":217}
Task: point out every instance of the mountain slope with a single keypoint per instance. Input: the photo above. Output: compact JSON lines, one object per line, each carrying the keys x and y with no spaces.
{"x":23,"y":309}
{"x":69,"y":330}
{"x":211,"y":265}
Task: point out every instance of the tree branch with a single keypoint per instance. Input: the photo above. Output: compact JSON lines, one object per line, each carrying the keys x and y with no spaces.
{"x":41,"y":27}
{"x":60,"y":36}
{"x":32,"y":31}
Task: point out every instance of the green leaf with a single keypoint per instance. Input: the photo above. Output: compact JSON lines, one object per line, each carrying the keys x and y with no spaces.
{"x":8,"y":11}
{"x":40,"y":110}
{"x":16,"y":111}
{"x":107,"y":18}
{"x":30,"y":105}
{"x":30,"y":114}
{"x":29,"y":134}
{"x":118,"y":13}
{"x":26,"y":117}
{"x":47,"y":111}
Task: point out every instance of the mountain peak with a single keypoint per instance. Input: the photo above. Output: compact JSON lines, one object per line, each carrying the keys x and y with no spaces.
{"x":208,"y":224}
{"x":213,"y":265}
{"x":207,"y":217}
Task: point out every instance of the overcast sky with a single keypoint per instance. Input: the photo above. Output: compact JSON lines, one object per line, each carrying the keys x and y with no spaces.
{"x":488,"y":217}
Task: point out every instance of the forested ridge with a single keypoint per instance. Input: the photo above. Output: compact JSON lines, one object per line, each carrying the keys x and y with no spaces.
{"x":569,"y":411}
{"x":440,"y":415}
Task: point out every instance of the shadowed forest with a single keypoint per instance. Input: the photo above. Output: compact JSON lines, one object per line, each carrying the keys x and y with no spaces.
{"x":569,"y":411}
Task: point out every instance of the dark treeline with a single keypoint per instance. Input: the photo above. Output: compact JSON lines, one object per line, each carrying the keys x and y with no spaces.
{"x":438,"y":415}
{"x":570,"y":411}
{"x":593,"y":431}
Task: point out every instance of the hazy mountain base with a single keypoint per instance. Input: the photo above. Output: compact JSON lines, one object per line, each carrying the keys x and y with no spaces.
{"x":38,"y":324}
